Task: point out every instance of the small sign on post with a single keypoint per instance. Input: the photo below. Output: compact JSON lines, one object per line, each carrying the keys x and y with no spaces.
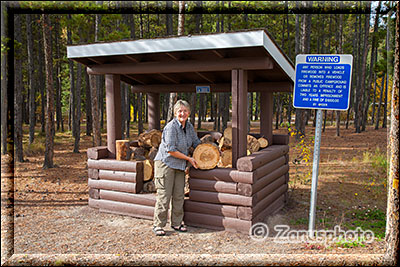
{"x":203,"y":89}
{"x":321,"y":82}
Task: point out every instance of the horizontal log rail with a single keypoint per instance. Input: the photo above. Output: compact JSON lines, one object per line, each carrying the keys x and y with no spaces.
{"x":116,"y":165}
{"x":115,"y":185}
{"x":132,"y":177}
{"x":259,"y":158}
{"x":216,"y":222}
{"x":140,"y":199}
{"x":213,"y":186}
{"x":221,"y":198}
{"x":251,"y":189}
{"x":210,"y":208}
{"x":99,"y":152}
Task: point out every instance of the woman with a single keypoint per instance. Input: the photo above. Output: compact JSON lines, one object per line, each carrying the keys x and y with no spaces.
{"x":169,"y":168}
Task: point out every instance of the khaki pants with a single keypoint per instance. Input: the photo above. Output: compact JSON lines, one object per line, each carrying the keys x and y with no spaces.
{"x":170,"y":185}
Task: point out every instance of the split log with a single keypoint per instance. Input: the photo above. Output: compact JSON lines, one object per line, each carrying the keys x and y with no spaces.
{"x":150,"y":139}
{"x":263,"y":142}
{"x":206,"y":156}
{"x":207,"y":139}
{"x":148,"y":170}
{"x":123,"y":151}
{"x":228,"y":133}
{"x":252,"y":144}
{"x":99,"y":152}
{"x":152,"y":153}
{"x":224,"y":143}
{"x":138,"y":153}
{"x":149,"y":187}
{"x":225,"y":160}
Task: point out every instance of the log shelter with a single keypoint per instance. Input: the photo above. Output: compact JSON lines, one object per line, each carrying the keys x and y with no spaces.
{"x":235,"y":62}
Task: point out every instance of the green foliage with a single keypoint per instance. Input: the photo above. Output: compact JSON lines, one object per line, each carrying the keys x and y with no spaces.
{"x":366,"y":218}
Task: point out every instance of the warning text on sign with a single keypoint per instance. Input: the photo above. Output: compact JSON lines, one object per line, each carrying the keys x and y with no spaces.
{"x":322,"y":82}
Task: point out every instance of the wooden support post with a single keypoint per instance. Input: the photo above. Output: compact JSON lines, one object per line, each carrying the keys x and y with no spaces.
{"x":153,"y":104}
{"x":113,"y":107}
{"x":266,"y":110}
{"x":239,"y":114}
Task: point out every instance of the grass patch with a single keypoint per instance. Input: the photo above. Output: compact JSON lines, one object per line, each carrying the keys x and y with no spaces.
{"x":367,"y":219}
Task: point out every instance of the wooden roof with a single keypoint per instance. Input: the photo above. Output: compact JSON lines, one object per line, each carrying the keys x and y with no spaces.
{"x":179,"y":63}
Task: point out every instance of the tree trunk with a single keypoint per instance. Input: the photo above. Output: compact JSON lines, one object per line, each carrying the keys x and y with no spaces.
{"x":374,"y":100}
{"x":339,"y":51}
{"x":88,"y":107}
{"x":168,"y":18}
{"x":371,"y":70}
{"x":380,"y":102}
{"x":31,"y":79}
{"x":392,"y":235}
{"x":49,"y":150}
{"x":95,"y":112}
{"x":389,"y":64}
{"x":72,"y":95}
{"x":77,"y":120}
{"x":18,"y":100}
{"x":41,"y":80}
{"x":4,"y":96}
{"x":305,"y":48}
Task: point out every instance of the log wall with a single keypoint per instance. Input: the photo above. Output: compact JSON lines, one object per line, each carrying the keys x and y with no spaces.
{"x":114,"y":185}
{"x":230,"y":199}
{"x":235,"y":199}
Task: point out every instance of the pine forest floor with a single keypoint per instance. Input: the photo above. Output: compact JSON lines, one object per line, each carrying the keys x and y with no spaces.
{"x":52,"y":214}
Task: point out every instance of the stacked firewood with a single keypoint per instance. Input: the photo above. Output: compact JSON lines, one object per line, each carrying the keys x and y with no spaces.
{"x":217,"y":152}
{"x":144,"y":149}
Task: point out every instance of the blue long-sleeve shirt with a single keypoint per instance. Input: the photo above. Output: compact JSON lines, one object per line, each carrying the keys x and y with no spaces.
{"x":176,"y":138}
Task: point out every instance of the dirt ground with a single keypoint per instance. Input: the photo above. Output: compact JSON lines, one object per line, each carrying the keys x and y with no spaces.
{"x":52,"y":214}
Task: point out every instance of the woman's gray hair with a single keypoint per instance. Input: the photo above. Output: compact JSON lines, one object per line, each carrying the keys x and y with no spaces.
{"x":180,"y":103}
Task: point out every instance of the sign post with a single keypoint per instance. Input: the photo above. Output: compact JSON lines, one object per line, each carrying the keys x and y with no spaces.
{"x":322,"y":82}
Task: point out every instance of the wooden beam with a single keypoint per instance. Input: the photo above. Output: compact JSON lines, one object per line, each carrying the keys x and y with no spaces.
{"x":95,"y":61}
{"x":247,"y":63}
{"x":239,"y":114}
{"x":217,"y":53}
{"x":266,"y":110}
{"x":214,"y":87}
{"x":113,"y":108}
{"x":153,"y":104}
{"x":135,"y":79}
{"x":172,"y":56}
{"x":204,"y":77}
{"x":131,"y":58}
{"x":168,"y":78}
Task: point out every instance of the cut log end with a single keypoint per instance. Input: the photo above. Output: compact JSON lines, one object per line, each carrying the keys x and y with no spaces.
{"x":207,"y":156}
{"x":148,"y":170}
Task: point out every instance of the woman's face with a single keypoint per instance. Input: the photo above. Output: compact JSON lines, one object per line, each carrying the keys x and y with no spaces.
{"x":182,"y":114}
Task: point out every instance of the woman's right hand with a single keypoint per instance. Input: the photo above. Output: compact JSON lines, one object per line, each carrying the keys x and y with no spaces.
{"x":193,"y":162}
